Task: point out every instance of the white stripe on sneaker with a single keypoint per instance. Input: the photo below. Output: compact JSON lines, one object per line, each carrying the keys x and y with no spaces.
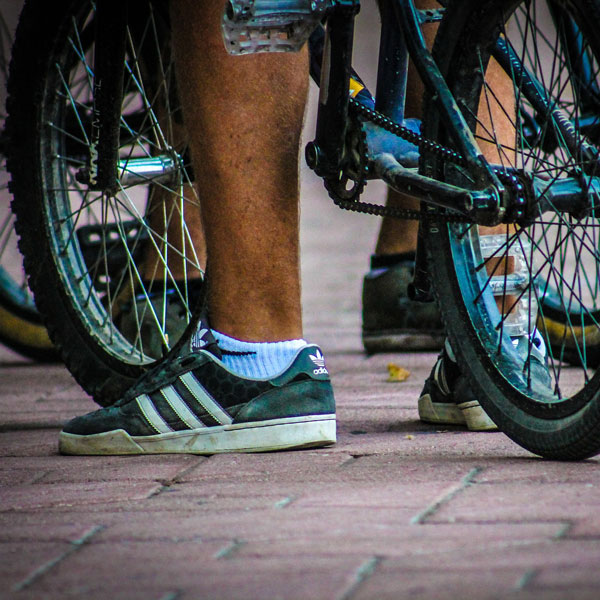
{"x":181,"y":408}
{"x":202,"y":396}
{"x":152,"y":415}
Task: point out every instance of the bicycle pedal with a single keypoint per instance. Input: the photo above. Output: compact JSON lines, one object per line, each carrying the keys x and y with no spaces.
{"x":251,"y":26}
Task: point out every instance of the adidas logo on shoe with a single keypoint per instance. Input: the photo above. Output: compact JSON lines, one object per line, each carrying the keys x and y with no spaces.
{"x":199,"y":339}
{"x":319,"y":361}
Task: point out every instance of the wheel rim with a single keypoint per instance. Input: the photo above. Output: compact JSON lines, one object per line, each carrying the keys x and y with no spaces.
{"x":560,"y":250}
{"x":101,"y":242}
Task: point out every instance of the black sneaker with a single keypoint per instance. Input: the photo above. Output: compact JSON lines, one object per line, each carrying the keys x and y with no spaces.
{"x":391,"y":321}
{"x":447,"y":398}
{"x":195,"y":405}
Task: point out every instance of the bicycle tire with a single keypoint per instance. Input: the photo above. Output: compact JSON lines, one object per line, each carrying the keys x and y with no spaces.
{"x":561,"y":422}
{"x":84,"y":250}
{"x":21,"y":327}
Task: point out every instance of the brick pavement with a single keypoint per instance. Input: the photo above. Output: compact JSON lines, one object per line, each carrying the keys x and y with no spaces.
{"x":396,"y":509}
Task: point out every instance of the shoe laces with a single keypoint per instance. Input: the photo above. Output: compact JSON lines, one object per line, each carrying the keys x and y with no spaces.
{"x":161,"y":375}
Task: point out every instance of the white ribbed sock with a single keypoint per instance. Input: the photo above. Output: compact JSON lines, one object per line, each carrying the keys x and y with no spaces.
{"x":257,"y":360}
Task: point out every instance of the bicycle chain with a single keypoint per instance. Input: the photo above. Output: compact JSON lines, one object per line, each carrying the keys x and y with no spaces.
{"x":348,"y":199}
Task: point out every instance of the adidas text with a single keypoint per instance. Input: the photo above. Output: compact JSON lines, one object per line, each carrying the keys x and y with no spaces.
{"x":321,"y":371}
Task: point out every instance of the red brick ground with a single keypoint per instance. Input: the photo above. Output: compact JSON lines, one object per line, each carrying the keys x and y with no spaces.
{"x":396,"y":509}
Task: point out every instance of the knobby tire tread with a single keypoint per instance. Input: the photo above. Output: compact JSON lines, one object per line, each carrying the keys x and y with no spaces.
{"x":38,"y":33}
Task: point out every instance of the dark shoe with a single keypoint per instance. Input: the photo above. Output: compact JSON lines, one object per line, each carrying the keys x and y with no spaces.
{"x":391,"y":321}
{"x":447,"y":398}
{"x":157,"y":319}
{"x":195,"y":405}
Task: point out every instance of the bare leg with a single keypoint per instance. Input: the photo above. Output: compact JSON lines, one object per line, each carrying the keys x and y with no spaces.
{"x":174,"y":216}
{"x":245,"y":139}
{"x":399,"y":235}
{"x":179,"y":222}
{"x":499,"y":120}
{"x":390,"y":321}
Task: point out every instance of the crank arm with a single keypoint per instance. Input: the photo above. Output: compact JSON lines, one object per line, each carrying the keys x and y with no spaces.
{"x":475,"y":204}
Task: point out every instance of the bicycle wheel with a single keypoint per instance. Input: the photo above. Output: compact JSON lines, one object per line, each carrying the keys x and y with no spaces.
{"x":21,"y":327}
{"x":558,"y":250}
{"x":109,"y":271}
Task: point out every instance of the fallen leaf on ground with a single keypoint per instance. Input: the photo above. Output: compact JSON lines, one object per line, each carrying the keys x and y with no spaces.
{"x":397,"y":373}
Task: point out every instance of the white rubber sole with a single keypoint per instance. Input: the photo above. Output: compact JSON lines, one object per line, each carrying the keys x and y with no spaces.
{"x":447,"y":413}
{"x":260,"y":436}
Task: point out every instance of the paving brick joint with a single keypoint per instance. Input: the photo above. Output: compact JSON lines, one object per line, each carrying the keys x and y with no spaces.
{"x":397,"y":509}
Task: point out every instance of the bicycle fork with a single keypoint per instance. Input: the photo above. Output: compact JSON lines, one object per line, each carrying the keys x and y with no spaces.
{"x":105,"y":171}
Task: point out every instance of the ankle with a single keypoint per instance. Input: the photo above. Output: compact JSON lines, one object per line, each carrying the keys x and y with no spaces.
{"x":257,"y":360}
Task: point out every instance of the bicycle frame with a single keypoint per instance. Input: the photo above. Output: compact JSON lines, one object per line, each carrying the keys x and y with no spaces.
{"x":489,"y":202}
{"x":486,"y":202}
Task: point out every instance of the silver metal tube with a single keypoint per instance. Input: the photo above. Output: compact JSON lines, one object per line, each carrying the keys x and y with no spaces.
{"x":134,"y":171}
